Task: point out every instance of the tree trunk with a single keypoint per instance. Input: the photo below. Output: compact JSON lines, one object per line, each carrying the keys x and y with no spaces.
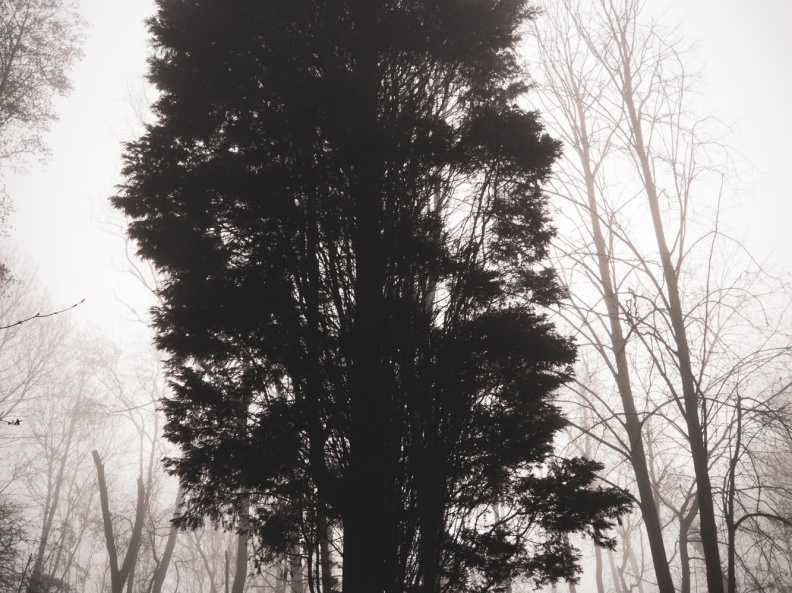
{"x":637,"y":571}
{"x":325,"y":559}
{"x":698,"y":450}
{"x":52,"y":503}
{"x":731,"y":490}
{"x":164,"y":563}
{"x":130,"y":583}
{"x":619,"y":586}
{"x":196,"y":541}
{"x":632,"y":421}
{"x":120,"y":575}
{"x":684,"y":555}
{"x":598,"y":569}
{"x":240,"y":571}
{"x":296,"y":570}
{"x":369,"y":546}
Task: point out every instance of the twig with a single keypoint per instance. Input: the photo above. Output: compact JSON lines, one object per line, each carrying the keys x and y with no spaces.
{"x":40,"y":316}
{"x":24,"y":572}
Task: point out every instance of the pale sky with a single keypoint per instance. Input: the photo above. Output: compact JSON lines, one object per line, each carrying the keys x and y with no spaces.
{"x":60,"y":206}
{"x":746,"y":51}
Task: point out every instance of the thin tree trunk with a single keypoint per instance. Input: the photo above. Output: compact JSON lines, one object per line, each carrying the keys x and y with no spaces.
{"x":698,"y":450}
{"x":119,"y":575}
{"x":632,"y":421}
{"x":505,"y":586}
{"x":598,"y":569}
{"x":731,"y":489}
{"x":637,"y":572}
{"x":131,"y":581}
{"x":162,"y":567}
{"x":116,"y":585}
{"x":240,"y":572}
{"x":207,"y":566}
{"x":684,"y":555}
{"x":619,"y":586}
{"x":296,"y":570}
{"x":325,"y":560}
{"x":46,"y":527}
{"x":75,"y":548}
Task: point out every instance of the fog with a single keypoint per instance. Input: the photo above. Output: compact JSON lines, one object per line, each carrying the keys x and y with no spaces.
{"x":83,"y":383}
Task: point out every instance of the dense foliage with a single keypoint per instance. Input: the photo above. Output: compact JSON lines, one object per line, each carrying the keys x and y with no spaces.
{"x":345,"y":201}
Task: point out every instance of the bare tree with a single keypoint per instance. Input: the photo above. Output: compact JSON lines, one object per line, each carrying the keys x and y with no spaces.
{"x":678,"y":312}
{"x":39,"y":42}
{"x":164,"y":562}
{"x":56,"y":437}
{"x":122,"y":573}
{"x":28,"y":353}
{"x":574,"y":84}
{"x":135,"y":386}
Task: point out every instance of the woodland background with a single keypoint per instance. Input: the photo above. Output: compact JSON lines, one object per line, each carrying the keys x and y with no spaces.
{"x":81,"y":481}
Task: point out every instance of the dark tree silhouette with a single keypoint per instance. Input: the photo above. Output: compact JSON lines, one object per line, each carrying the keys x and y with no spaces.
{"x":345,"y":201}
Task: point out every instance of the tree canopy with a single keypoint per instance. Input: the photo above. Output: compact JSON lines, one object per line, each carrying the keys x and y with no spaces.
{"x":345,"y":201}
{"x":39,"y":42}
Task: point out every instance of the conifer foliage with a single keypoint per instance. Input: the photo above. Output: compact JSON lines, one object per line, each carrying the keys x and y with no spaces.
{"x":345,"y":201}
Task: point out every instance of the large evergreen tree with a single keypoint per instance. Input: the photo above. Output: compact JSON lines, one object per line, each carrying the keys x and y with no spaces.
{"x":345,"y":201}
